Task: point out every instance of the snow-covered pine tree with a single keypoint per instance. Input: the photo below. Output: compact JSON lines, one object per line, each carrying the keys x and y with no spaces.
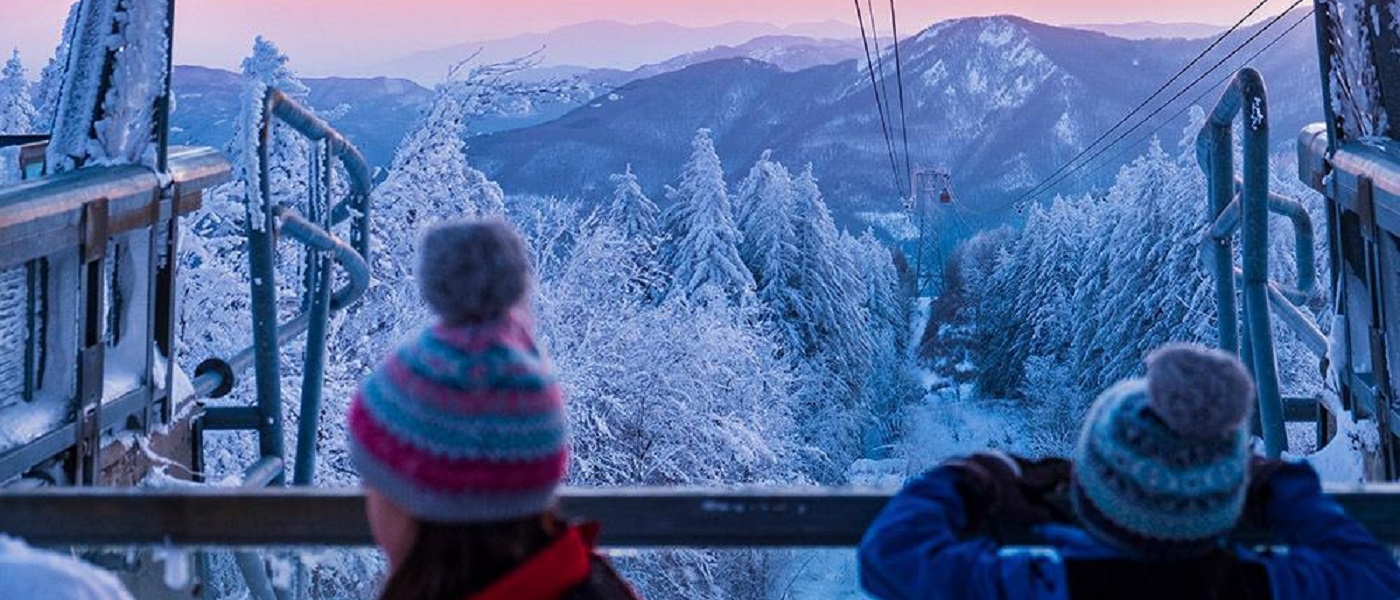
{"x":1159,"y":292}
{"x":885,"y":308}
{"x":769,"y":248}
{"x":631,"y":212}
{"x":635,"y":218}
{"x":17,"y":113}
{"x":837,"y":349}
{"x":826,"y":278}
{"x":763,"y":209}
{"x":267,"y":68}
{"x":703,"y":250}
{"x":429,"y":182}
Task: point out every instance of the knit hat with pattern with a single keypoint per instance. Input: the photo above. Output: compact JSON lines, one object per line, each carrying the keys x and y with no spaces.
{"x":466,"y":422}
{"x":1161,"y":466}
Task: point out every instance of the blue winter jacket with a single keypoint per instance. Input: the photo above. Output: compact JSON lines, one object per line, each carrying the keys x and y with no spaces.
{"x":913,"y":549}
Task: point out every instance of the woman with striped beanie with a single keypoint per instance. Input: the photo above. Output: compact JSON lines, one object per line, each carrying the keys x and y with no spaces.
{"x":1161,"y":475}
{"x":460,"y":437}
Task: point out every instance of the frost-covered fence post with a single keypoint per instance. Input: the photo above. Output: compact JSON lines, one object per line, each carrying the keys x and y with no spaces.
{"x":263,"y":268}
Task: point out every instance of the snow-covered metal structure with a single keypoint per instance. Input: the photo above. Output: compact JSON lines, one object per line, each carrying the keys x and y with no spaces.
{"x":1353,"y":158}
{"x":87,"y":246}
{"x":88,"y":272}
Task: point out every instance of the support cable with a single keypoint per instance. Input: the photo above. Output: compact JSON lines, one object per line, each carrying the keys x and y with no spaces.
{"x":899,"y":77}
{"x":879,"y":100}
{"x":1056,"y":181}
{"x":1160,"y":90}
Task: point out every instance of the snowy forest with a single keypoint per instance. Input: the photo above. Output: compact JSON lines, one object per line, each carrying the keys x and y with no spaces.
{"x":735,"y":336}
{"x":732,"y":330}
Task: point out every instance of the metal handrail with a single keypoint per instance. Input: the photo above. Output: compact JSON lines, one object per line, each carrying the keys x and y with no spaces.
{"x":630,"y":517}
{"x":1247,"y":97}
{"x":45,"y":217}
{"x":216,"y":377}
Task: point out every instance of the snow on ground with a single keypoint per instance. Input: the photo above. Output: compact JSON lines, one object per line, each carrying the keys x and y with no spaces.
{"x":827,"y":574}
{"x":1342,"y":459}
{"x":953,"y":421}
{"x":29,"y":573}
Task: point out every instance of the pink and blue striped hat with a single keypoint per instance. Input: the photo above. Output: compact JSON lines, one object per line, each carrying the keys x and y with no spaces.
{"x":466,"y":422}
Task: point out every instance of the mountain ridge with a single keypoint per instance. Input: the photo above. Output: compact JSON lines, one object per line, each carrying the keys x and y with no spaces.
{"x":1002,"y":101}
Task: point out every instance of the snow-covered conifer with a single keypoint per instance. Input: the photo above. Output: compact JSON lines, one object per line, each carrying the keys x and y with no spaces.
{"x":765,"y":207}
{"x":268,"y":68}
{"x":826,"y":276}
{"x":704,"y":250}
{"x":17,"y":114}
{"x":631,"y":211}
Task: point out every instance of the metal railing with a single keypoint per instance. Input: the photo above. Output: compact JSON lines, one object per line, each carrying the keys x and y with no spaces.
{"x":216,"y":377}
{"x":31,"y":153}
{"x":67,"y":221}
{"x":630,"y":517}
{"x":1243,"y":206}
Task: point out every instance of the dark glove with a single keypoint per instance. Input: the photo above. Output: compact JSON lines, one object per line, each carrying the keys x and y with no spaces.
{"x":1261,"y":472}
{"x":1010,"y":490}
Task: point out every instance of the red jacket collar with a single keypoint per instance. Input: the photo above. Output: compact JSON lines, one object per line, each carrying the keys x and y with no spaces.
{"x":560,"y":567}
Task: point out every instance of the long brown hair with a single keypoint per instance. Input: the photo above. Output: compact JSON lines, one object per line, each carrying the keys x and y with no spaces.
{"x":453,"y":561}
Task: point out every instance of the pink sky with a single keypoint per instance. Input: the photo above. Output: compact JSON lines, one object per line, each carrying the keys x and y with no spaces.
{"x":323,"y":36}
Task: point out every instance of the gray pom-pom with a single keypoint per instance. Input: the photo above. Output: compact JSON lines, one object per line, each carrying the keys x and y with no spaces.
{"x":473,"y":271}
{"x":1199,"y":392}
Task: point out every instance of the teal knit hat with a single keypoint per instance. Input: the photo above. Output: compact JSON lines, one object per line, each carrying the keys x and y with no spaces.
{"x":1162,"y":463}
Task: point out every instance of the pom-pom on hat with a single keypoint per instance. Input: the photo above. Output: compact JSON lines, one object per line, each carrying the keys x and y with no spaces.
{"x":1161,"y":466}
{"x":466,"y":422}
{"x":473,"y":271}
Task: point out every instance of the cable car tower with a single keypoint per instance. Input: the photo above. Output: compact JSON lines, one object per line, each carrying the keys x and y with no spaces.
{"x":930,"y":190}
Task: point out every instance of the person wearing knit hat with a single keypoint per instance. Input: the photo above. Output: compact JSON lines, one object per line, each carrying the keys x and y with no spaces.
{"x":1160,"y":467}
{"x":1162,"y":473}
{"x":461,"y":441}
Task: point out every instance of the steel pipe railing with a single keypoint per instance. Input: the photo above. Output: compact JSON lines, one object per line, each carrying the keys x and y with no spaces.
{"x":1246,"y":97}
{"x":217,"y":377}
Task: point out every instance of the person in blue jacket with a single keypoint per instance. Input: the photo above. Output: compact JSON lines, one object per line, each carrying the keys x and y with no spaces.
{"x":1161,"y":473}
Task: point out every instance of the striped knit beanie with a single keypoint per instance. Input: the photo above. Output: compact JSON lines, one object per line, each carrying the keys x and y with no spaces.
{"x":1161,"y":466}
{"x":466,"y":422}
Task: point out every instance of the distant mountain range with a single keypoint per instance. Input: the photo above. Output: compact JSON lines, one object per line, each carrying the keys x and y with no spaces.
{"x":1147,"y":30}
{"x":605,"y":45}
{"x":1000,"y":101}
{"x":376,"y":112}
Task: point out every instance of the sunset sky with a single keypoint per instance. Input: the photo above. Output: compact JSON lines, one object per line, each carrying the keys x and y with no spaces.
{"x":326,"y":36}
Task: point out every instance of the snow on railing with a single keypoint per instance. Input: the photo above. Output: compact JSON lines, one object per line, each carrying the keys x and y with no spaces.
{"x":86,"y":242}
{"x":117,"y":73}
